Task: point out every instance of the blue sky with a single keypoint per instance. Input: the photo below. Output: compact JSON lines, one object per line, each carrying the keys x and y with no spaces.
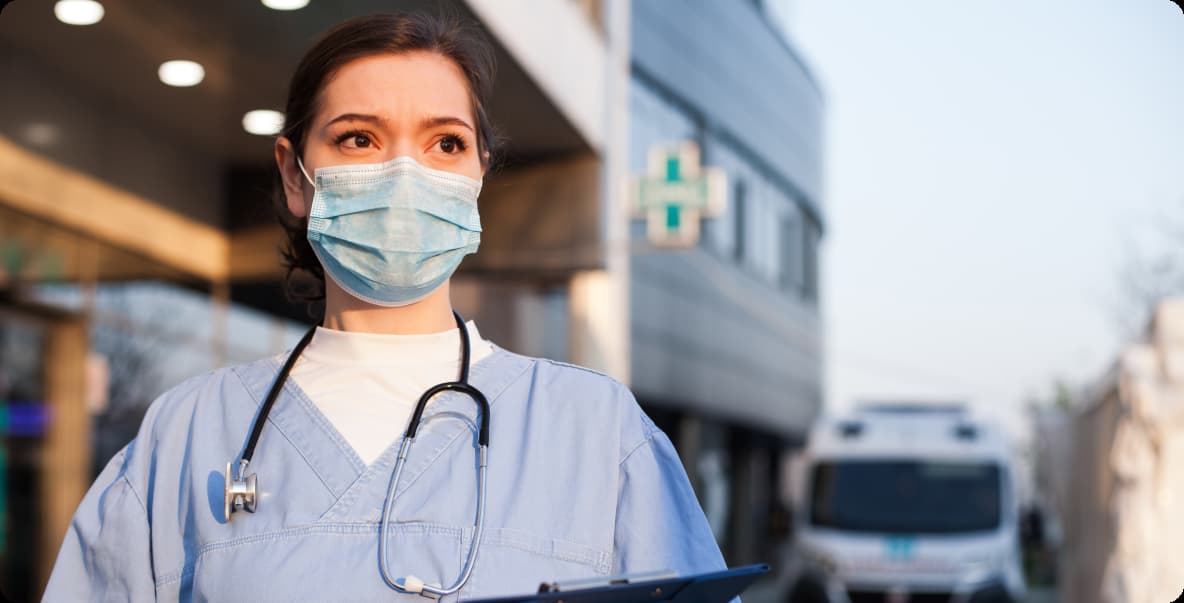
{"x":988,"y":167}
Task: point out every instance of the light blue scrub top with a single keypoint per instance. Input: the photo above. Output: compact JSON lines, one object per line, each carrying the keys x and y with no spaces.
{"x":580,"y":484}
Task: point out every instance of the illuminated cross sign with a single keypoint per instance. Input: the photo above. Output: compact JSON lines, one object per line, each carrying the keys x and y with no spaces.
{"x":676,"y":193}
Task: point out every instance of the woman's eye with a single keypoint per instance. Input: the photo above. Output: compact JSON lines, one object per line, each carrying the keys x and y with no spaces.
{"x":355,"y":140}
{"x":451,"y":144}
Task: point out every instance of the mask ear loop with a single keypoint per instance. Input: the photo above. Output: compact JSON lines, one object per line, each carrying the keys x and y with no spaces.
{"x":305,"y":172}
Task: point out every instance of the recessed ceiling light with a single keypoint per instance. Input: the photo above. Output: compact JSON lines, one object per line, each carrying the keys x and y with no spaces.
{"x":263,"y":122}
{"x":285,"y":4}
{"x":41,"y":134}
{"x":181,"y":73}
{"x":78,"y":12}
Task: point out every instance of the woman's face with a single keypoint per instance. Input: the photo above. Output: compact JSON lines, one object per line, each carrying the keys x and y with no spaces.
{"x":413,"y":104}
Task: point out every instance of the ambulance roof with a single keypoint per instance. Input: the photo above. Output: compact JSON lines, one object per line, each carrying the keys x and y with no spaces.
{"x":905,"y":430}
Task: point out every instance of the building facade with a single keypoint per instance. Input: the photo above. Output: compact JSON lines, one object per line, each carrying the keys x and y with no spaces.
{"x":726,"y":336}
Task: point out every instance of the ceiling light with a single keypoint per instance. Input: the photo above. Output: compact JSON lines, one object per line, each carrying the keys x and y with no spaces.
{"x":181,"y":73}
{"x":41,"y":134}
{"x":285,"y":4}
{"x":78,"y":12}
{"x":263,"y":122}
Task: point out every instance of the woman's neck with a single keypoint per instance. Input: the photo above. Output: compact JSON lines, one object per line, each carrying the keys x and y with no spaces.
{"x":432,"y":314}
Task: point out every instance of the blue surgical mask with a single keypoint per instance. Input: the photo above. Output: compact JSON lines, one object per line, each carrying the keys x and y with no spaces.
{"x":391,"y":233}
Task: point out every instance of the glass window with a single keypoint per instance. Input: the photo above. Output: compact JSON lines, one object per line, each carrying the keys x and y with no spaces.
{"x":768,"y":216}
{"x":810,"y":244}
{"x":762,"y":229}
{"x":792,"y":246}
{"x":906,"y":497}
{"x":24,"y":413}
{"x":739,"y":204}
{"x":654,"y":121}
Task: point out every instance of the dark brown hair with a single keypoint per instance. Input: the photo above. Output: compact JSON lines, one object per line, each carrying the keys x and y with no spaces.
{"x":358,"y":38}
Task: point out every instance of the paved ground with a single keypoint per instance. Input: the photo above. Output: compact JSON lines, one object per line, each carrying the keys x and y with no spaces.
{"x":764,"y":593}
{"x":1042,"y":595}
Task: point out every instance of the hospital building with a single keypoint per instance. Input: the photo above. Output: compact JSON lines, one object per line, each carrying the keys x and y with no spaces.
{"x":657,"y":215}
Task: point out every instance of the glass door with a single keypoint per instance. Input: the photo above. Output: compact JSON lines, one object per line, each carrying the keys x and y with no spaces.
{"x":23,"y":421}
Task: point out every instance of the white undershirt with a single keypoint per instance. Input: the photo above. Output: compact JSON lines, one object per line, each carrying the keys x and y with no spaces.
{"x":367,"y":384}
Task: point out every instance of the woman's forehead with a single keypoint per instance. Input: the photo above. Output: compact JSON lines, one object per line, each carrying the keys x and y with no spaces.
{"x":397,"y":86}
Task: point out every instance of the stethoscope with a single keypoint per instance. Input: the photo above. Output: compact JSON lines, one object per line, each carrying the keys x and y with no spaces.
{"x":241,"y":491}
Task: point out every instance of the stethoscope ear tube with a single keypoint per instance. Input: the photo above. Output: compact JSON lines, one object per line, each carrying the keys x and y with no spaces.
{"x":454,"y":386}
{"x":461,"y":385}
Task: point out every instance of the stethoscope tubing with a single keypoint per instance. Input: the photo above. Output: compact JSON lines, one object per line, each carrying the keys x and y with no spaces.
{"x":474,"y":546}
{"x":461,"y":385}
{"x":269,"y":401}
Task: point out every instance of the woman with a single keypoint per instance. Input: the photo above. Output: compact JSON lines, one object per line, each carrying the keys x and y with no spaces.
{"x":380,"y":164}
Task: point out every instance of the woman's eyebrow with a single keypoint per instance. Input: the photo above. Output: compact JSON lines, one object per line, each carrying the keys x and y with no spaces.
{"x":443,"y":120}
{"x":357,"y":117}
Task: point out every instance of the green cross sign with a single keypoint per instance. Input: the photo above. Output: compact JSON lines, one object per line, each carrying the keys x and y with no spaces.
{"x":676,"y":193}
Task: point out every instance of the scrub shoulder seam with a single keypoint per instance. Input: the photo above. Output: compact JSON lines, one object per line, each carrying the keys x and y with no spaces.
{"x":648,"y":439}
{"x":559,"y":363}
{"x":177,"y":395}
{"x":135,"y":495}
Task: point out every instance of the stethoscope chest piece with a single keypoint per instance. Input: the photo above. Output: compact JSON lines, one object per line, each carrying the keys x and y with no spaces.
{"x":240,"y":493}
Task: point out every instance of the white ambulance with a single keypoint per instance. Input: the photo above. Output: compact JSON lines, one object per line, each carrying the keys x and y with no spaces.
{"x":906,"y":503}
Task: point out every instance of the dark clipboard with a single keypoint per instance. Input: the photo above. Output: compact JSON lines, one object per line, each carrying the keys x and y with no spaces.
{"x":714,"y":587}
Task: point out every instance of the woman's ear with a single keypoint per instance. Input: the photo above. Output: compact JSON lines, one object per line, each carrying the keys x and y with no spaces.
{"x":292,"y":177}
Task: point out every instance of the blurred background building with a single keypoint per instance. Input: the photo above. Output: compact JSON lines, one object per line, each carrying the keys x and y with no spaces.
{"x":726,"y":336}
{"x":1109,"y":473}
{"x":138,"y":244}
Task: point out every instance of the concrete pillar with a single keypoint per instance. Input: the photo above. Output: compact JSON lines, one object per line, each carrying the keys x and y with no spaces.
{"x":599,"y":320}
{"x":66,"y":469}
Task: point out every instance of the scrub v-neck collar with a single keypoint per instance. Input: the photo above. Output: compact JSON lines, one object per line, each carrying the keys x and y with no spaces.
{"x":335,"y":462}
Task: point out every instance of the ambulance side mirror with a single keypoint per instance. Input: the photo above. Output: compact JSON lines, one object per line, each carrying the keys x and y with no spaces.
{"x":1032,"y":527}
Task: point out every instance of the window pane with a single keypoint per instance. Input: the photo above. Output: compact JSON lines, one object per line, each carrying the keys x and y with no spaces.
{"x":910,"y":497}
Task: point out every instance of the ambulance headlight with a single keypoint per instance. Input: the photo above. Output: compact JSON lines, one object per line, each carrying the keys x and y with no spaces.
{"x":822,"y":560}
{"x":980,"y":568}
